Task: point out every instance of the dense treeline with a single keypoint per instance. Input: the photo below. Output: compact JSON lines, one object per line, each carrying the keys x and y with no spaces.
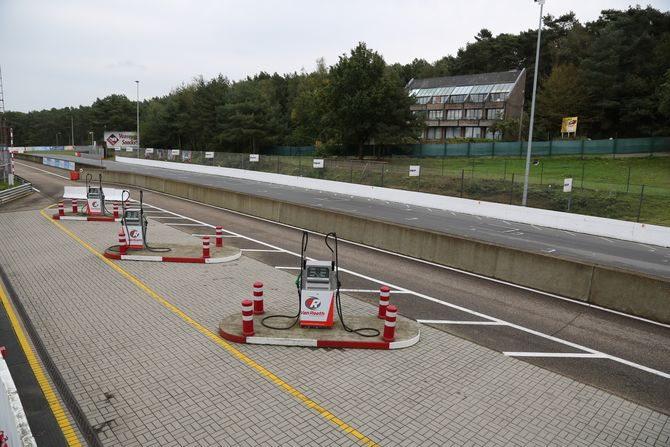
{"x":613,"y":73}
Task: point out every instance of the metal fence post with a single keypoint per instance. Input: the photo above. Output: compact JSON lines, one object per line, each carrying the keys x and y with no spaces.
{"x":511,"y":190}
{"x":541,"y":171}
{"x":628,"y":181}
{"x":462,"y":181}
{"x":639,"y":208}
{"x":382,"y":175}
{"x":582,"y":185}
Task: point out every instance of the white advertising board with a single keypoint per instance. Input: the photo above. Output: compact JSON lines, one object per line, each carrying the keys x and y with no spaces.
{"x":414,"y":170}
{"x":254,"y":158}
{"x":317,"y":163}
{"x":149,"y":150}
{"x":209,"y":154}
{"x":120,"y":138}
{"x":174,"y":152}
{"x":567,"y":185}
{"x":128,"y":149}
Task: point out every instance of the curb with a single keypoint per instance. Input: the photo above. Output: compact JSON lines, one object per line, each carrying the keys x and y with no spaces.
{"x":87,"y":218}
{"x":117,"y":256}
{"x":319,"y":343}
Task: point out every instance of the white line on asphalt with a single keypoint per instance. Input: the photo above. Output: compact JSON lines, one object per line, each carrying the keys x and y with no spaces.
{"x":42,"y":170}
{"x":162,"y":217}
{"x":548,"y":250}
{"x":36,"y":190}
{"x":605,"y":239}
{"x":267,"y":250}
{"x":573,"y":355}
{"x":280,"y":267}
{"x":371,"y":291}
{"x":187,"y":224}
{"x":453,"y":306}
{"x":201,"y":235}
{"x":570,"y":233}
{"x":480,"y":323}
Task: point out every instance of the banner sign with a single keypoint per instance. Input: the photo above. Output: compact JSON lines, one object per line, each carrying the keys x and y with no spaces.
{"x":56,"y":163}
{"x":149,"y":150}
{"x":128,"y":149}
{"x":253,"y":158}
{"x":414,"y":170}
{"x":174,"y":152}
{"x":567,"y":185}
{"x":209,"y":154}
{"x":317,"y":163}
{"x":569,"y":125}
{"x":120,"y":139}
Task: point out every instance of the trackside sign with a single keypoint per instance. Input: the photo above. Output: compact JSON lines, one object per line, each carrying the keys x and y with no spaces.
{"x":120,"y":139}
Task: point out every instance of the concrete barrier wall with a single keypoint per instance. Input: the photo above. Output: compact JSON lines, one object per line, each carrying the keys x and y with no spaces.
{"x":13,"y":420}
{"x":618,"y":229}
{"x":629,"y":292}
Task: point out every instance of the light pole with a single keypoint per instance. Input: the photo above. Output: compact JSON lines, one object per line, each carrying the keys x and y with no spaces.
{"x":91,"y":133}
{"x":138,"y":118}
{"x":57,"y":133}
{"x":524,"y":200}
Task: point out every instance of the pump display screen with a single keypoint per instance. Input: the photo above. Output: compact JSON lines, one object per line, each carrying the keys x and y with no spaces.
{"x":318,"y":272}
{"x":132,"y":215}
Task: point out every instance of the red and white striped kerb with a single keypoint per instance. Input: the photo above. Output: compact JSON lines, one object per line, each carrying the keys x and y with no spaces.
{"x":74,"y":206}
{"x":389,"y":324}
{"x":384,"y":296}
{"x":219,"y":236}
{"x":61,"y":211}
{"x":258,"y":298}
{"x":116,"y":211}
{"x":123,"y":247}
{"x":247,"y":318}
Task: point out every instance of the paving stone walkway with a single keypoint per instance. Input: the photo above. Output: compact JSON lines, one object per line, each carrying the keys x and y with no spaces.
{"x":149,"y":372}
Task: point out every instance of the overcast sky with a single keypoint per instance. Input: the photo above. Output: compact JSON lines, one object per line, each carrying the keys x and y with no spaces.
{"x":59,"y":53}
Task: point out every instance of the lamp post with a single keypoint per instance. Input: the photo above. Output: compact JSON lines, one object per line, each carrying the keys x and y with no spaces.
{"x":57,"y":133}
{"x":138,"y":118}
{"x":91,"y":133}
{"x":524,"y":200}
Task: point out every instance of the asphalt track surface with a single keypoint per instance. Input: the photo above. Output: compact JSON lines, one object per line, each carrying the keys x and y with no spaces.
{"x":650,"y":259}
{"x":625,"y":356}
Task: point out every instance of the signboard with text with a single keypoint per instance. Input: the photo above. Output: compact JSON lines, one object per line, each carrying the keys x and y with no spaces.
{"x":567,"y":185}
{"x":120,"y":139}
{"x":253,"y":158}
{"x":317,"y":163}
{"x":209,"y":154}
{"x":414,"y":170}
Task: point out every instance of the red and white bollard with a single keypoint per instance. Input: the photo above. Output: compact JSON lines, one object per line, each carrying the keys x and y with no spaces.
{"x":389,"y":324}
{"x":3,"y":352}
{"x":384,"y":297}
{"x":219,"y":236}
{"x":61,"y":209}
{"x":258,"y":298}
{"x":74,"y":206}
{"x":247,"y":318}
{"x":123,"y":246}
{"x":205,"y":247}
{"x":116,"y":211}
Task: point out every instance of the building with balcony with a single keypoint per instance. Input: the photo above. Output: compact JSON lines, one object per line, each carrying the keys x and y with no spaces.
{"x":467,"y":106}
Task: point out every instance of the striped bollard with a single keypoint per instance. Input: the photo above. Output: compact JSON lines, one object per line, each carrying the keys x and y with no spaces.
{"x":74,"y":206}
{"x":247,"y":318}
{"x":384,"y":296}
{"x":205,"y":247}
{"x":389,"y":324}
{"x":61,"y":210}
{"x":116,"y":210}
{"x":258,"y":298}
{"x":123,"y":246}
{"x":219,"y":236}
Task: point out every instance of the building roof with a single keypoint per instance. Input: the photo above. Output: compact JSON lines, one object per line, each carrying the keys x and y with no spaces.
{"x":501,"y":77}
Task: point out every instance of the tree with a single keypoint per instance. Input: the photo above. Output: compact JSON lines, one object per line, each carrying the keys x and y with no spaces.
{"x":563,"y":94}
{"x":363,"y":102}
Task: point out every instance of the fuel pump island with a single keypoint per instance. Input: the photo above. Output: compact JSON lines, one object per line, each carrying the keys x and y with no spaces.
{"x":319,"y":320}
{"x":94,"y":200}
{"x":134,"y":246}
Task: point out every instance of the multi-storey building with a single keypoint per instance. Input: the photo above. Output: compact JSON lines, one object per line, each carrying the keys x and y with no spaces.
{"x":467,"y":106}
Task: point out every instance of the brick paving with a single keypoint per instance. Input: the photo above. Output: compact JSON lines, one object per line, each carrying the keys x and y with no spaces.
{"x":146,"y":377}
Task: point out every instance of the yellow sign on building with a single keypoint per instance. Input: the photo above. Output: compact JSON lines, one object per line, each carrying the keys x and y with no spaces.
{"x":569,"y":125}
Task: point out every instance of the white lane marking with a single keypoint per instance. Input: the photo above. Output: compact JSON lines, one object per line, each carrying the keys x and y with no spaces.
{"x":549,"y":250}
{"x":478,"y":218}
{"x":201,"y":235}
{"x":187,"y":225}
{"x":372,"y":291}
{"x":423,"y":261}
{"x":605,"y":239}
{"x":42,"y":170}
{"x":267,"y":250}
{"x":536,"y":227}
{"x":507,"y":222}
{"x":512,"y":230}
{"x":161,"y":217}
{"x":478,"y":323}
{"x":452,"y":213}
{"x":461,"y":308}
{"x":411,"y":218}
{"x":280,"y":267}
{"x":36,"y":190}
{"x":572,"y":355}
{"x":570,"y":233}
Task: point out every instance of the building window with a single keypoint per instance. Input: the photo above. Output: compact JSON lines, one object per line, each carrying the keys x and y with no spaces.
{"x":435,"y":114}
{"x":493,"y":135}
{"x":423,"y":100}
{"x":454,"y":114}
{"x":473,"y":114}
{"x":498,"y":97}
{"x":439,"y":99}
{"x":434,"y":133}
{"x":495,"y":114}
{"x":457,"y":99}
{"x":477,"y":97}
{"x":452,"y":132}
{"x":473,"y":132}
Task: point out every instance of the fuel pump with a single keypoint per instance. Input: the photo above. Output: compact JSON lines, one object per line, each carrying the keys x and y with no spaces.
{"x":95,"y":197}
{"x":134,"y":224}
{"x":319,"y":292}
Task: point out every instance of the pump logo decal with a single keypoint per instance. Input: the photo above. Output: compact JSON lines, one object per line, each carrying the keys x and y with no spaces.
{"x":134,"y":234}
{"x":112,"y":139}
{"x":312,"y":303}
{"x":94,"y":204}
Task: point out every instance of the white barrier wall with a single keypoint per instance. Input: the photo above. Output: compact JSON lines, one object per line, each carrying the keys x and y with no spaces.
{"x":13,"y":421}
{"x":617,"y":229}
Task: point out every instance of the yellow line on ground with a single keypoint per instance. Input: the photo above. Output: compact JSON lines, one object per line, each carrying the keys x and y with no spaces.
{"x":56,"y":409}
{"x":217,"y":339}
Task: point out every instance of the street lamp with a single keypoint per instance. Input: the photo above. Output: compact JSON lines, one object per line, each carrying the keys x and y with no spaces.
{"x":138,"y":118}
{"x":524,"y":200}
{"x":57,"y":133}
{"x":91,"y":133}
